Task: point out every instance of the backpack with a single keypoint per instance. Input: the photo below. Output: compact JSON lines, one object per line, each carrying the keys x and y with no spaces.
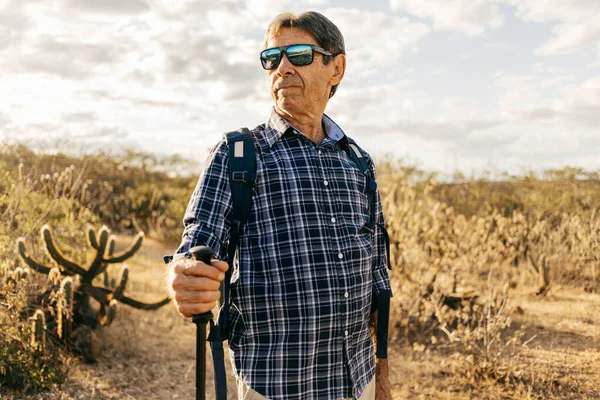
{"x":242,"y":175}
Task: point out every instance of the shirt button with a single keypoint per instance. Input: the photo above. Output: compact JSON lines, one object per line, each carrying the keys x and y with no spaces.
{"x":320,"y":152}
{"x":325,"y":183}
{"x":346,"y":295}
{"x":340,"y":256}
{"x":346,"y":333}
{"x":333,"y":219}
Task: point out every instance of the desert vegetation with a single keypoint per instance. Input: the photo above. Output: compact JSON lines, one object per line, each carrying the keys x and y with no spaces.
{"x":485,"y":272}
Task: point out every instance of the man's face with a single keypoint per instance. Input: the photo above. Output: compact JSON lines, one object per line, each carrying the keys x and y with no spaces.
{"x":298,"y":90}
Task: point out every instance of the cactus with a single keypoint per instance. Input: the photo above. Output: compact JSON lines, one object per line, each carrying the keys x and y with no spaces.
{"x":74,"y":306}
{"x":108,"y":313}
{"x":65,"y":309}
{"x":38,"y":331}
{"x":16,"y":275}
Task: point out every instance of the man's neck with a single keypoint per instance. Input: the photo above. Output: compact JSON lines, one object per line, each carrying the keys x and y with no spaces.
{"x":310,"y":125}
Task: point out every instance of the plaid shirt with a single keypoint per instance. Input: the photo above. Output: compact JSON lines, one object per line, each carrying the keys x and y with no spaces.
{"x":305,"y":270}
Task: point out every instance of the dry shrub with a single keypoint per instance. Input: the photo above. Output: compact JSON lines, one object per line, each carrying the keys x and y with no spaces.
{"x":453,"y":241}
{"x":24,"y":210}
{"x":128,"y":191}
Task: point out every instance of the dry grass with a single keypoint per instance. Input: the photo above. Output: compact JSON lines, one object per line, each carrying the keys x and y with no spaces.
{"x":525,"y":266}
{"x":151,"y":355}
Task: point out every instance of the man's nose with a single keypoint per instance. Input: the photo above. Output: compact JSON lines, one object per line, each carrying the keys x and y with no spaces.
{"x":285,"y":67}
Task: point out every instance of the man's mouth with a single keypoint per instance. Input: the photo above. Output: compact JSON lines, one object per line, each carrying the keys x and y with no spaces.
{"x":286,"y":85}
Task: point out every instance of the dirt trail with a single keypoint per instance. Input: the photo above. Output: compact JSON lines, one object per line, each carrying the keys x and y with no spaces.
{"x":151,"y":355}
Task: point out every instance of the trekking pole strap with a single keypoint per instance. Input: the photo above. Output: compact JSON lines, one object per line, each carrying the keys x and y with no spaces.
{"x":218,"y":357}
{"x":383,"y":318}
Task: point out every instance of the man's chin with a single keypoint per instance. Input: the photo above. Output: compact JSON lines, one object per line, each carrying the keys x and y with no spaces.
{"x":287,"y":106}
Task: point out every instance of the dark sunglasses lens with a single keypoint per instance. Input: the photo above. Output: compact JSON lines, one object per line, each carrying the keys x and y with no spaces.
{"x":270,"y":58}
{"x":299,"y":55}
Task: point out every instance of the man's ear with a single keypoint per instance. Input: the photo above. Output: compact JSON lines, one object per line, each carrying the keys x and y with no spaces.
{"x":339,"y":67}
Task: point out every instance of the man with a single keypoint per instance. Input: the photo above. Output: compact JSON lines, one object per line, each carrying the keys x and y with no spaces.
{"x":307,"y":266}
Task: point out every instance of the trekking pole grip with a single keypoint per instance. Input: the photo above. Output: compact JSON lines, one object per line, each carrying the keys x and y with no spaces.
{"x":204,"y":254}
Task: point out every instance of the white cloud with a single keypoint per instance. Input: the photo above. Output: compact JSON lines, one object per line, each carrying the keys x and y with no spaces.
{"x":74,"y":138}
{"x":67,"y":59}
{"x":375,"y":40}
{"x":402,"y":114}
{"x":533,"y":96}
{"x":267,"y":8}
{"x":4,"y":120}
{"x":13,"y":23}
{"x":578,"y":22}
{"x":470,"y":17}
{"x":580,"y":106}
{"x":115,"y":7}
{"x":171,"y":76}
{"x":557,"y":117}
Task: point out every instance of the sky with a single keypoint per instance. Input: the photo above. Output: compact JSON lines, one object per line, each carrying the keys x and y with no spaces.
{"x":469,"y":85}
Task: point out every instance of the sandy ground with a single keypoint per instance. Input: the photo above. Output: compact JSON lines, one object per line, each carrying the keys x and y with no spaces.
{"x":151,"y":354}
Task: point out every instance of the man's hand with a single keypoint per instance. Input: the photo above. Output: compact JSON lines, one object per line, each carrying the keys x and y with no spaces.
{"x":383,"y":391}
{"x":194,"y":285}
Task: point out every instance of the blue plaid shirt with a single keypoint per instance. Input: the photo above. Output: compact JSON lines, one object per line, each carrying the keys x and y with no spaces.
{"x":305,"y":270}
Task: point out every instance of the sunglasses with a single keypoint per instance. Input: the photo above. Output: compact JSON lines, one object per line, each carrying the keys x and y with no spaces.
{"x":297,"y":54}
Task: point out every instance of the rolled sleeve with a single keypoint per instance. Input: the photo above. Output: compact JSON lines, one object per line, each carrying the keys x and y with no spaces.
{"x":206,"y":217}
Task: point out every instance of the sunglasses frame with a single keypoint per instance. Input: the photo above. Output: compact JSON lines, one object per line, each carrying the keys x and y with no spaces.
{"x":283,"y":50}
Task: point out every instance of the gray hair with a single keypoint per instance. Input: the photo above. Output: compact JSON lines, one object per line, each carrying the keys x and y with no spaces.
{"x":327,"y":35}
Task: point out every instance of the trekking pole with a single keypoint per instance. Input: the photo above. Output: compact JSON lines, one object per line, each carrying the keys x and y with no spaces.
{"x":204,"y":254}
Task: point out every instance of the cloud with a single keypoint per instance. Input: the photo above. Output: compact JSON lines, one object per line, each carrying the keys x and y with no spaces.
{"x":580,"y":105}
{"x":130,"y":100}
{"x":398,"y":112}
{"x":114,"y":7}
{"x":74,"y":137}
{"x":13,"y":23}
{"x":524,"y":95}
{"x":79,"y":116}
{"x":4,"y":120}
{"x":208,"y":58}
{"x":267,"y":8}
{"x":67,"y":59}
{"x":470,"y":17}
{"x":541,"y":114}
{"x":100,"y":134}
{"x":375,"y":40}
{"x":557,"y":117}
{"x":552,"y":98}
{"x":578,"y":23}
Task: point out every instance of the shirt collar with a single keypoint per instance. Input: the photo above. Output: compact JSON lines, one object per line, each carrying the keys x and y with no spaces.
{"x":277,"y":126}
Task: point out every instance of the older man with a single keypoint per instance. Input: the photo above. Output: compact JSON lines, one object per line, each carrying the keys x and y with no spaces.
{"x":307,"y":264}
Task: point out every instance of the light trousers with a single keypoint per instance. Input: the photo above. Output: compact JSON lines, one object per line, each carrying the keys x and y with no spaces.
{"x":245,"y":392}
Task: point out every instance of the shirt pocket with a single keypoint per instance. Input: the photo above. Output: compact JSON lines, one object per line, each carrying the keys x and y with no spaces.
{"x":237,"y":327}
{"x":353,"y":199}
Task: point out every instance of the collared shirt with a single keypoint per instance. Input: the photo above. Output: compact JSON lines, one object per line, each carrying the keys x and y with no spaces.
{"x":305,"y":271}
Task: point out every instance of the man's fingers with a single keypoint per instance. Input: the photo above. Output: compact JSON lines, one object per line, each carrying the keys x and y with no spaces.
{"x":195,"y":283}
{"x":221,"y":265}
{"x":195,"y":297}
{"x":188,"y":309}
{"x":198,"y":268}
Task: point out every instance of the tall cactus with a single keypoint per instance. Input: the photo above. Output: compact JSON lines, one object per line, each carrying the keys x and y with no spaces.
{"x":38,"y":331}
{"x":65,"y":309}
{"x":74,"y":305}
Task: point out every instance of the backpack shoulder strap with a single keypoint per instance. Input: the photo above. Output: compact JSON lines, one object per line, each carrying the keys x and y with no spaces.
{"x":356,"y":155}
{"x":381,"y":302}
{"x":242,"y":174}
